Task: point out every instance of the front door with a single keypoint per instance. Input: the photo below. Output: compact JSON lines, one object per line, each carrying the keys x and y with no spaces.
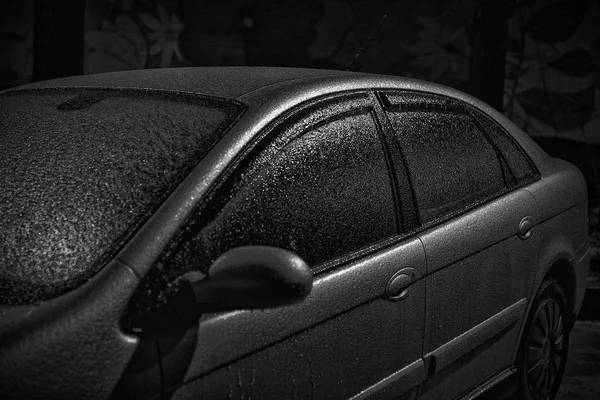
{"x":318,"y":185}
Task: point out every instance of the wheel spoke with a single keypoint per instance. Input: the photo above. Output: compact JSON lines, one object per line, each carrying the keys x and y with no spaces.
{"x":542,"y":322}
{"x":559,"y":330}
{"x":548,"y":314}
{"x":537,"y":337}
{"x":539,"y":380}
{"x":556,"y":360}
{"x":534,"y":354}
{"x":543,"y":316}
{"x":550,"y":378}
{"x":553,"y":316}
{"x":552,"y":366}
{"x":536,"y":365}
{"x":557,"y":318}
{"x":558,"y":343}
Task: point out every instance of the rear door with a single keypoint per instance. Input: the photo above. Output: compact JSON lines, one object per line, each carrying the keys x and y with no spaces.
{"x":318,"y":184}
{"x":479,"y":270}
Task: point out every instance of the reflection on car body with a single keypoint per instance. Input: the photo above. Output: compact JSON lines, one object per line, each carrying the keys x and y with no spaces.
{"x":396,"y":239}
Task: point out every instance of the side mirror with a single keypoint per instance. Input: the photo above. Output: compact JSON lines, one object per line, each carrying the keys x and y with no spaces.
{"x":253,"y":277}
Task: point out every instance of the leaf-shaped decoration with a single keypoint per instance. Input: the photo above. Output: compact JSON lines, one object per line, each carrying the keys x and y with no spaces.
{"x":432,"y":29}
{"x":107,"y":26}
{"x":556,"y":22}
{"x":99,"y":61}
{"x":163,"y":16}
{"x":130,"y":31}
{"x":151,"y":22}
{"x":119,"y":52}
{"x":99,"y":40}
{"x":576,"y":62}
{"x":513,"y":45}
{"x":513,"y":70}
{"x":561,"y":111}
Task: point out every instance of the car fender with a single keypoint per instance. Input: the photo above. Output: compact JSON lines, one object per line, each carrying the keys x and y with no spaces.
{"x":561,"y":197}
{"x":61,"y":342}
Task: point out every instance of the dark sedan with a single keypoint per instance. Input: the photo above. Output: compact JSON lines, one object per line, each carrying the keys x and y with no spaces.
{"x":274,"y":233}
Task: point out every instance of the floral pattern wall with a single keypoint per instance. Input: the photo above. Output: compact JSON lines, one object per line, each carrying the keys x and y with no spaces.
{"x":123,"y":35}
{"x":16,"y":42}
{"x":553,"y":69}
{"x":552,"y":79}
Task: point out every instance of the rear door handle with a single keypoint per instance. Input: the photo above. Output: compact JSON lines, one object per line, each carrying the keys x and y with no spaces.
{"x":398,"y":286}
{"x":525,"y":228}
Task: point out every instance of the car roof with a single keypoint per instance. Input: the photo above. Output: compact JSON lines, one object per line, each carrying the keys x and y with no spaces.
{"x":260,"y":87}
{"x":240,"y":82}
{"x":231,"y":82}
{"x":264,"y":89}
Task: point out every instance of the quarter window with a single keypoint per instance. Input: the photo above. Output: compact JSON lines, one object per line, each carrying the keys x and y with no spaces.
{"x":516,"y":160}
{"x":450,"y":162}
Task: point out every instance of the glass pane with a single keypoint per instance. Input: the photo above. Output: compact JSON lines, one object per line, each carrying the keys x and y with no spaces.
{"x":325,"y":194}
{"x":516,"y":160}
{"x":450,"y":162}
{"x":80,"y":170}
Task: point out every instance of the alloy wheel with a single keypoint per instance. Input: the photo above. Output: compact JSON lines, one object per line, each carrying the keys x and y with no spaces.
{"x":546,"y":350}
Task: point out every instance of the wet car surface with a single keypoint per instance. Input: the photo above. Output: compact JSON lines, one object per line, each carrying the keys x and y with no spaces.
{"x":280,"y":233}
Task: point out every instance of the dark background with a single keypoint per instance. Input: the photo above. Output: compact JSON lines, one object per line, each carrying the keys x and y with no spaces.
{"x":537,"y":61}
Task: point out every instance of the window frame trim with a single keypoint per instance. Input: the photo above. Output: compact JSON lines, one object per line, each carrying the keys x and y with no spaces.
{"x":385,"y":103}
{"x":476,"y":113}
{"x":410,"y":218}
{"x":265,"y":136}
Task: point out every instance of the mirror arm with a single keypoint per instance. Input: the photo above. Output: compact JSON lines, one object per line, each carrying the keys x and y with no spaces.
{"x":207,"y":296}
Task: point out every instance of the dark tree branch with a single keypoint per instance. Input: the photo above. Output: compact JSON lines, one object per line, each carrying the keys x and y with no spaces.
{"x":488,"y":41}
{"x":58,"y":38}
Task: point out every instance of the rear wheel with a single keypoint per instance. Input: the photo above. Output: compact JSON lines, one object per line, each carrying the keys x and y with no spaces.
{"x":544,"y":345}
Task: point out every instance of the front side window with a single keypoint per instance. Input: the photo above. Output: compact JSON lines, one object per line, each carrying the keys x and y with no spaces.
{"x":450,"y":162}
{"x":324,"y":194}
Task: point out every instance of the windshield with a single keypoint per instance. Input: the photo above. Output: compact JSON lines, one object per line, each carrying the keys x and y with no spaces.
{"x":81,"y":170}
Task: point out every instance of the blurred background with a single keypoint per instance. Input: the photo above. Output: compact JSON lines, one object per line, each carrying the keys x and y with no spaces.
{"x":537,"y":61}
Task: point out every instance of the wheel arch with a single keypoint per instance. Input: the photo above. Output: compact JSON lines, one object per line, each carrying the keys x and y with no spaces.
{"x":555,"y":261}
{"x":563,"y":272}
{"x":559,"y":268}
{"x":551,"y":340}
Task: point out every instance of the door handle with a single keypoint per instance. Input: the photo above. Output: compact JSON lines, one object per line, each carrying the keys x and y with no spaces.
{"x":525,"y":228}
{"x":398,"y":286}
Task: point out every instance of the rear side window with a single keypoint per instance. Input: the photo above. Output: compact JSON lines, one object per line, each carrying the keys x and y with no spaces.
{"x":519,"y":164}
{"x":450,"y":162}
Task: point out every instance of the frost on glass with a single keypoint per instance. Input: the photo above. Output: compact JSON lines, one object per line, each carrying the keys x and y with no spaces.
{"x":450,"y":162}
{"x":80,"y":170}
{"x":515,"y":158}
{"x":326,"y":193}
{"x":405,"y":100}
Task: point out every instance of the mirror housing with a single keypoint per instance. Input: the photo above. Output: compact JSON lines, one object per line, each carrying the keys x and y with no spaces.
{"x":253,"y":277}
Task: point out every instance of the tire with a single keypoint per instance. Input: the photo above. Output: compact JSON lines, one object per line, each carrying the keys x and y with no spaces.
{"x":544,"y":345}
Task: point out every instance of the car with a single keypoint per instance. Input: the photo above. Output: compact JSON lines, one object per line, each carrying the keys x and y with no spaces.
{"x":280,"y":233}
